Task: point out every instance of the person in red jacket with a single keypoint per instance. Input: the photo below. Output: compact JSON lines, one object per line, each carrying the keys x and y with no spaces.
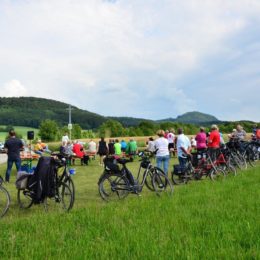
{"x":79,"y":152}
{"x":213,"y":142}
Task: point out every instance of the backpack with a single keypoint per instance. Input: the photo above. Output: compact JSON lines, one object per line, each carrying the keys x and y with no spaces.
{"x":42,"y":182}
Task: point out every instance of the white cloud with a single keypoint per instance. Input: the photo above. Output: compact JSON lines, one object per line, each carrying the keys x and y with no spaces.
{"x":13,"y":88}
{"x":84,"y":52}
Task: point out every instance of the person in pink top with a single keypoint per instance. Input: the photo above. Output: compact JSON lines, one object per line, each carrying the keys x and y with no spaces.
{"x":201,"y":139}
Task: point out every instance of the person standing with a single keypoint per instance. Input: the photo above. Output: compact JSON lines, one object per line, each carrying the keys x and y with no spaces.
{"x":102,"y":150}
{"x":201,"y":139}
{"x":162,"y":154}
{"x":171,"y":139}
{"x":183,"y":147}
{"x":13,"y":146}
{"x":65,"y":138}
{"x":213,"y":142}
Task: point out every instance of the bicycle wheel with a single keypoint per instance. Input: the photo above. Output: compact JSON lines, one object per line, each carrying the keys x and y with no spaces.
{"x":149,"y":180}
{"x":162,"y":184}
{"x":217,"y":174}
{"x":113,"y":186}
{"x":178,"y":179}
{"x":62,"y":201}
{"x":4,"y":201}
{"x":68,"y":180}
{"x":24,"y":198}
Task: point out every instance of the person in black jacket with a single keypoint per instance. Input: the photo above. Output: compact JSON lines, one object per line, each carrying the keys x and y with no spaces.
{"x":13,"y":147}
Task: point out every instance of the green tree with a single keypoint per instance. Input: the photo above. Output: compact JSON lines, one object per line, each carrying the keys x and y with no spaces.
{"x":76,"y":131}
{"x":48,"y":130}
{"x":147,"y":128}
{"x":111,"y":128}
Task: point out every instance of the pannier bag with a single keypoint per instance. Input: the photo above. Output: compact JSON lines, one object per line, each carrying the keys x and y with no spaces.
{"x":22,"y":181}
{"x":111,"y":165}
{"x":178,"y":169}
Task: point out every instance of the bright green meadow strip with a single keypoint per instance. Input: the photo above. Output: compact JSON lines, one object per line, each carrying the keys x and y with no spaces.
{"x":203,"y":220}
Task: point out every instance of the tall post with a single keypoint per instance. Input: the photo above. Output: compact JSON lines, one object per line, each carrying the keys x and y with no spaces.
{"x":69,"y":125}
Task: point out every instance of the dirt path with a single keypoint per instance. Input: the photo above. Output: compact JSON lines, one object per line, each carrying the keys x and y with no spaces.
{"x":3,"y":158}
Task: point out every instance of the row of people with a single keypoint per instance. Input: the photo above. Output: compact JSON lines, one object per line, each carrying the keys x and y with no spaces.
{"x":184,"y":146}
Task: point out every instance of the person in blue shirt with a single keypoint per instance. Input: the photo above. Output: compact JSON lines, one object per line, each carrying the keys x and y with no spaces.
{"x":123,"y":146}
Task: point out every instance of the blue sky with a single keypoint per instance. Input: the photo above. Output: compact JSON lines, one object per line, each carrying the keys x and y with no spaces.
{"x":140,"y":58}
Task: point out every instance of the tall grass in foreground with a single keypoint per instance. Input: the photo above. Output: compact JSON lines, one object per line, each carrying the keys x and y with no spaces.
{"x":203,"y":220}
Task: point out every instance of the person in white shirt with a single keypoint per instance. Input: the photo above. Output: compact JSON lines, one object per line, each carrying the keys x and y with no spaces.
{"x":92,"y":147}
{"x":171,"y":139}
{"x":162,"y":154}
{"x":65,"y":138}
{"x":150,"y":145}
{"x":183,"y":147}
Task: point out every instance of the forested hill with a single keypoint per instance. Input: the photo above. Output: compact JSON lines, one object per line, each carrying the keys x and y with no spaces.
{"x":193,"y":118}
{"x":30,"y":111}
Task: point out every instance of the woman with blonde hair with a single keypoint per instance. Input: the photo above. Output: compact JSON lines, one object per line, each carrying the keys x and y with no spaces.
{"x":162,"y":154}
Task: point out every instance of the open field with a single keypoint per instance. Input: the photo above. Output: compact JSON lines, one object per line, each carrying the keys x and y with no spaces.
{"x":22,"y":130}
{"x":203,"y":220}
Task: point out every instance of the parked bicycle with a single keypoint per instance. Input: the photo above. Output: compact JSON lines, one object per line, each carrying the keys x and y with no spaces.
{"x":204,"y":168}
{"x":4,"y":199}
{"x":61,"y":191}
{"x":116,"y":183}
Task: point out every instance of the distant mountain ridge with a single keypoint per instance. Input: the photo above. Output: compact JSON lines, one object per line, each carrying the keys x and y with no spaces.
{"x":193,"y":117}
{"x":30,"y":111}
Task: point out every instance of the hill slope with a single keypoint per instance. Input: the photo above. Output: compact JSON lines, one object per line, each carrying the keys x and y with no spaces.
{"x":30,"y":111}
{"x":192,"y":118}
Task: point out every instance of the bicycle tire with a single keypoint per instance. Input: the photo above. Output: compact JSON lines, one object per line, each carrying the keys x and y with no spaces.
{"x":217,"y":174}
{"x":24,"y":198}
{"x":4,"y":201}
{"x":178,"y":179}
{"x":113,"y":186}
{"x":68,"y":180}
{"x":149,"y":181}
{"x":162,"y":184}
{"x":63,"y":199}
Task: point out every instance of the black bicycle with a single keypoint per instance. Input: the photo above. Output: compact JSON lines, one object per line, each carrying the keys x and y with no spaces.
{"x":63,"y":194}
{"x":4,"y":199}
{"x":116,"y":183}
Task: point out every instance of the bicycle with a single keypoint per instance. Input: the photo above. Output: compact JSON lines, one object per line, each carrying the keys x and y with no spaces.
{"x":4,"y":199}
{"x":63,"y":192}
{"x":206,"y":167}
{"x":116,"y":183}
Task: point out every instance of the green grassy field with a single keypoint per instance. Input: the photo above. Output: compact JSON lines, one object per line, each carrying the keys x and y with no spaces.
{"x":203,"y":220}
{"x":22,"y":130}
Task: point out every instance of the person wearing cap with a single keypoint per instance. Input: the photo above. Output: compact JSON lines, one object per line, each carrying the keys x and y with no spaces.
{"x":162,"y":155}
{"x":213,"y":142}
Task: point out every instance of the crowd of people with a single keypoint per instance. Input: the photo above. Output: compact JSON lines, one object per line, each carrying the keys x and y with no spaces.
{"x":167,"y":143}
{"x":165,"y":146}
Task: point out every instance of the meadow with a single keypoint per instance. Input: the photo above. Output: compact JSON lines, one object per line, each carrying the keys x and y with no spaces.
{"x":21,"y":130}
{"x":202,"y":220}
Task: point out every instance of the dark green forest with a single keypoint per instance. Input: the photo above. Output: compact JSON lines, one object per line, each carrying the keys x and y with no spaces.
{"x":32,"y":111}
